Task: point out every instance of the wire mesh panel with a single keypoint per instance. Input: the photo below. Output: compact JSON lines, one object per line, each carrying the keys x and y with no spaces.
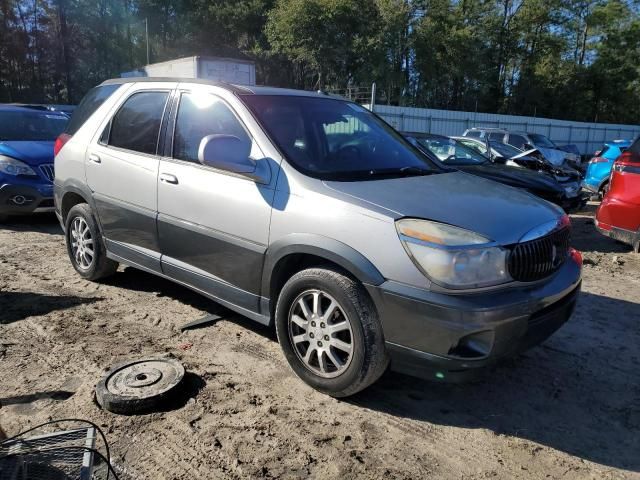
{"x":59,"y":455}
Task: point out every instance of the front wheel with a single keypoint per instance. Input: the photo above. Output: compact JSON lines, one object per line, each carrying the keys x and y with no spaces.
{"x":329,"y":331}
{"x":85,"y":247}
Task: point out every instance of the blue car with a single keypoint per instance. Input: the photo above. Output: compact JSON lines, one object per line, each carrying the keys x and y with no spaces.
{"x":596,"y":179}
{"x":26,"y":159}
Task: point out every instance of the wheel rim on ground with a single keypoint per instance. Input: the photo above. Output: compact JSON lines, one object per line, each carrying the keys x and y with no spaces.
{"x":81,"y":243}
{"x":321,"y":333}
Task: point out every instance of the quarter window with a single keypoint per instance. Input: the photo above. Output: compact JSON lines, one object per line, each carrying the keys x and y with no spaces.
{"x":136,"y":126}
{"x":200,"y":115}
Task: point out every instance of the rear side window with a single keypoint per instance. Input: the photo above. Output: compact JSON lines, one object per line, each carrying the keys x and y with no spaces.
{"x":200,"y":115}
{"x":473,"y":134}
{"x":136,"y":125}
{"x":517,"y":141}
{"x":497,"y":136}
{"x":89,"y":104}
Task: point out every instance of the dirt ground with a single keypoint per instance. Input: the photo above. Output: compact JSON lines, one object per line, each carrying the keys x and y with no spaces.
{"x":567,"y":409}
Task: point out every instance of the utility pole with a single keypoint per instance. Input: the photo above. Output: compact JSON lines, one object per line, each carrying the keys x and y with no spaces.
{"x":146,"y":32}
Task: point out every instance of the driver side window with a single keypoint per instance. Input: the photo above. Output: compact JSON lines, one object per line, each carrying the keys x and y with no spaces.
{"x":200,"y":115}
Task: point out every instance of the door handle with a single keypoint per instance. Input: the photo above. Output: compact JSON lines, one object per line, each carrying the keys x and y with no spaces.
{"x":168,"y":178}
{"x":94,"y":158}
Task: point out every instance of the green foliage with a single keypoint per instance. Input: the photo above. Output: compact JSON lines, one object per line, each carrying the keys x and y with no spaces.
{"x":575,"y":59}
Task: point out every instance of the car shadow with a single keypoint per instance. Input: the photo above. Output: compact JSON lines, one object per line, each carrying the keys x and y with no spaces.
{"x":133,"y":279}
{"x":16,"y":306}
{"x":39,"y":222}
{"x":577,"y":392}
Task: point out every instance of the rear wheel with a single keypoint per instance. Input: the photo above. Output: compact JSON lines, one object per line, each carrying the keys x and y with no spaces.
{"x":329,"y":331}
{"x":603,"y":190}
{"x":85,"y":247}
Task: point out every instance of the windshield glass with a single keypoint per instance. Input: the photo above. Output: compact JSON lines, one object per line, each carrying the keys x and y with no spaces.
{"x":541,"y":141}
{"x":336,"y":140}
{"x":505,"y":150}
{"x":451,"y":152}
{"x":31,"y":125}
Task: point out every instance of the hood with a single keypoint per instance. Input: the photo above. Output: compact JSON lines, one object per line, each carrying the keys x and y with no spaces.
{"x":562,"y":173}
{"x":515,"y":177}
{"x":33,"y":153}
{"x":556,"y":157}
{"x":501,"y":213}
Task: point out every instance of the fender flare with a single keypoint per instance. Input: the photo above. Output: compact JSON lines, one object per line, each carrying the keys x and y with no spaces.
{"x":333,"y":250}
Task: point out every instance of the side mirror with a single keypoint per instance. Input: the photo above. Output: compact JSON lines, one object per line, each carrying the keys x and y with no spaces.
{"x":226,"y":152}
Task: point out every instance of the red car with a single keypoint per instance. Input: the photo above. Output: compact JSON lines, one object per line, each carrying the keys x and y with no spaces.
{"x":618,"y":216}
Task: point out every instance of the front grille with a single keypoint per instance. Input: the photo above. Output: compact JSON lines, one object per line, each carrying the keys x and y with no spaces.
{"x":47,"y":171}
{"x":539,"y":258}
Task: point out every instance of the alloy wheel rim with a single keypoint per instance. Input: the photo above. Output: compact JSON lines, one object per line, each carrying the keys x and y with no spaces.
{"x":81,"y":243}
{"x":321,"y":333}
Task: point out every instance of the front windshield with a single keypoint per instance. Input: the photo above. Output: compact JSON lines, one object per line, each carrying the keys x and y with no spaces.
{"x":541,"y":141}
{"x":505,"y":150}
{"x":18,"y":125}
{"x":336,"y":140}
{"x":451,"y":152}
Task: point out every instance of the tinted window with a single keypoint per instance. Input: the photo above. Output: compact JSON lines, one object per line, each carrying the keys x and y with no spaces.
{"x":473,"y":134}
{"x":479,"y":147}
{"x":517,"y":141}
{"x":333,"y":139}
{"x":25,"y":125}
{"x":635,"y":146}
{"x":200,"y":115}
{"x":451,"y":151}
{"x":505,"y":150}
{"x":89,"y":104}
{"x":136,"y":126}
{"x":497,"y":136}
{"x":541,"y":141}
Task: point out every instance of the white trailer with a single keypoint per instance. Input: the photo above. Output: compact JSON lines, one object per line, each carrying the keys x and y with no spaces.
{"x":230,"y":70}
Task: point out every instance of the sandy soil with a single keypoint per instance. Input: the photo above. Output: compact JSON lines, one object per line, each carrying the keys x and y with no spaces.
{"x":567,"y":409}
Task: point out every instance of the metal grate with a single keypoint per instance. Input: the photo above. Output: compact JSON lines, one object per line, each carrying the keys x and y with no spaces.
{"x":48,"y":171}
{"x":62,"y":455}
{"x":539,"y":258}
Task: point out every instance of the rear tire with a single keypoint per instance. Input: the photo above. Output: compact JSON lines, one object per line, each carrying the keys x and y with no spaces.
{"x":85,"y":246}
{"x":603,"y":190}
{"x":329,"y":331}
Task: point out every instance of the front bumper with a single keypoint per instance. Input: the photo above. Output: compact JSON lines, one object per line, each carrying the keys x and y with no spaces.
{"x":25,"y":199}
{"x":453,"y":337}
{"x":594,"y":189}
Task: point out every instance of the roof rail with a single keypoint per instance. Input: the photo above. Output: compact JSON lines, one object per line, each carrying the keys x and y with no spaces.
{"x":228,"y":86}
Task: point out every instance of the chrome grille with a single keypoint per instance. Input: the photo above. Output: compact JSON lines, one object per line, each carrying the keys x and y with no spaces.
{"x":47,"y":171}
{"x":539,"y":258}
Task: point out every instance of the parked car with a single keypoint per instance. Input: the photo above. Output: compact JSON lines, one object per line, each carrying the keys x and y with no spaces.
{"x":307,"y":212}
{"x":618,"y":216}
{"x":527,"y":141}
{"x":599,"y":167}
{"x":514,"y":157}
{"x":26,"y":159}
{"x":455,"y":154}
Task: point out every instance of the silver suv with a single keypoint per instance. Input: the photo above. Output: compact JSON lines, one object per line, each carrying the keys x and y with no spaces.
{"x":309,"y":213}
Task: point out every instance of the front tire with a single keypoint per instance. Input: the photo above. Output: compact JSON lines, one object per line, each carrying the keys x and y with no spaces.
{"x":85,"y":247}
{"x":329,"y":331}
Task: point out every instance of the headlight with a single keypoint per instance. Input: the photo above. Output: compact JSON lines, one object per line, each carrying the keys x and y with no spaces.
{"x":452,"y":256}
{"x":11,"y":166}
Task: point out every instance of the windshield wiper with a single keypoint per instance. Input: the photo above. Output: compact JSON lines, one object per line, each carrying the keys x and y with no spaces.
{"x":414,"y":170}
